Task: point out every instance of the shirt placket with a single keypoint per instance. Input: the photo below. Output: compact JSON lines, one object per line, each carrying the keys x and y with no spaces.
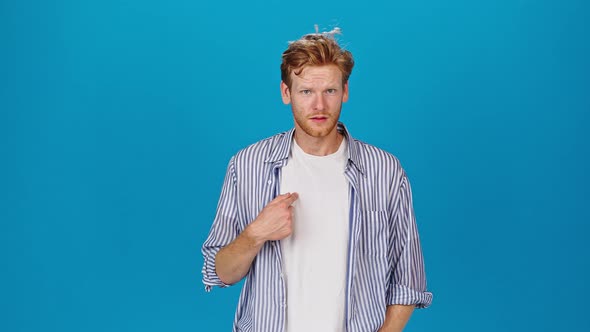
{"x":354,"y":231}
{"x":274,"y":190}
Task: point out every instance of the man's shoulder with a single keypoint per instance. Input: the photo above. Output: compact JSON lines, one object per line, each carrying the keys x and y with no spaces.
{"x":370,"y":154}
{"x":262,"y":149}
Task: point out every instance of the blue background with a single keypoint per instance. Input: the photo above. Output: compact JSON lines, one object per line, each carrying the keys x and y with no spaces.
{"x":118,"y":118}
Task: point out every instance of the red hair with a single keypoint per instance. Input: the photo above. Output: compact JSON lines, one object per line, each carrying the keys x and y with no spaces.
{"x":316,"y":49}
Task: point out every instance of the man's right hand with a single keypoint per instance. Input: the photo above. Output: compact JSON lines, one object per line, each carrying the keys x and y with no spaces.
{"x":233,"y":261}
{"x":274,"y":222}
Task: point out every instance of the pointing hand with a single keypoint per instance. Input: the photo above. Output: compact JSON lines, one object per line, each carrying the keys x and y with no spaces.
{"x":274,"y":221}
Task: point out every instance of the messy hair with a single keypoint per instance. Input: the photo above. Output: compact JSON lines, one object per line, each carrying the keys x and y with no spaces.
{"x":316,"y":49}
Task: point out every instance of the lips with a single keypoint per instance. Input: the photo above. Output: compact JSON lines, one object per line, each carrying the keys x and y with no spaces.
{"x":319,"y":119}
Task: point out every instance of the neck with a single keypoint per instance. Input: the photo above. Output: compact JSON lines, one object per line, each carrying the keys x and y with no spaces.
{"x":318,"y":146}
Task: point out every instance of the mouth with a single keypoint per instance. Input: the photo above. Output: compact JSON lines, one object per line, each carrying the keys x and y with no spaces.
{"x":319,"y":118}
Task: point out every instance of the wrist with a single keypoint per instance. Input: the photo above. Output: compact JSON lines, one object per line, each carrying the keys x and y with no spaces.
{"x":252,"y":237}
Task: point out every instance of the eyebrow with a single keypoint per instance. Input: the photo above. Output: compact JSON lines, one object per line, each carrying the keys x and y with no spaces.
{"x":307,"y":87}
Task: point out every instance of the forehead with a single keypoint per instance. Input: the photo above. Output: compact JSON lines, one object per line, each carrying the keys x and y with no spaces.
{"x":318,"y":75}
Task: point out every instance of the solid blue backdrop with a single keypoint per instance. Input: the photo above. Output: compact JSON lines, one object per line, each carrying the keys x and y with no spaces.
{"x":118,"y":118}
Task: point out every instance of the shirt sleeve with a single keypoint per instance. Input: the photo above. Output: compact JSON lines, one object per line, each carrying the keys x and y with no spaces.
{"x":407,"y":284}
{"x":223,"y":231}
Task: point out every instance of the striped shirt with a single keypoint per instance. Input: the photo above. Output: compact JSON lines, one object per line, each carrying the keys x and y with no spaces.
{"x":384,"y":258}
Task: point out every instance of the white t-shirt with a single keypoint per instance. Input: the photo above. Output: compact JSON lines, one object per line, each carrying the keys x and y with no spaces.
{"x":314,"y":256}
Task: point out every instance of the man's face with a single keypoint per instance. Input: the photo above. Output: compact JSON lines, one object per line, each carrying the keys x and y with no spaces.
{"x":316,"y":96}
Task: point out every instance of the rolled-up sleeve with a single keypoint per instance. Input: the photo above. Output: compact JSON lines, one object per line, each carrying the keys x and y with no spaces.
{"x":407,"y":285}
{"x":223,"y":231}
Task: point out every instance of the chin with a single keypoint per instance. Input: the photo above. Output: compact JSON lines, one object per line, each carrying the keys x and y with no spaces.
{"x":314,"y":130}
{"x":318,"y":133}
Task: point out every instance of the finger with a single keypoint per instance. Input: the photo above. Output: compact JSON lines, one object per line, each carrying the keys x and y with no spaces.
{"x":280,"y":198}
{"x":289,"y":200}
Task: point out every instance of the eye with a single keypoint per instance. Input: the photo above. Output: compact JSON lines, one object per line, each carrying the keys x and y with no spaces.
{"x":305,"y":92}
{"x":331,"y":91}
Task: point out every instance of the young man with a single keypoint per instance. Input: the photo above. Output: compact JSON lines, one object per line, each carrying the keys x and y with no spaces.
{"x":320,"y":224}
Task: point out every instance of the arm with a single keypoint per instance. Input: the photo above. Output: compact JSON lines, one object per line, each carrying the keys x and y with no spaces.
{"x":396,"y":318}
{"x":407,"y":284}
{"x":233,"y":261}
{"x":237,"y":250}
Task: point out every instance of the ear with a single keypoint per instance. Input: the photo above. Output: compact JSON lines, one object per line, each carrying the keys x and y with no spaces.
{"x":345,"y":92}
{"x":285,"y":93}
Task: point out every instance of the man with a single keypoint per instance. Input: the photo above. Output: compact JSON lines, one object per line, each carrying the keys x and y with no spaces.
{"x":320,"y":224}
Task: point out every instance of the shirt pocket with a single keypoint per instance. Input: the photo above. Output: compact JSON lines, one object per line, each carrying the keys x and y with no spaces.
{"x":374,"y":233}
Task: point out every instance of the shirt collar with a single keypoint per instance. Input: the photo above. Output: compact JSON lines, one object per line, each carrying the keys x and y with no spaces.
{"x":282,"y":149}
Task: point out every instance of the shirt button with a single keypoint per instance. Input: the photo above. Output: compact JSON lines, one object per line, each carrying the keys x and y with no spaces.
{"x":269,"y":182}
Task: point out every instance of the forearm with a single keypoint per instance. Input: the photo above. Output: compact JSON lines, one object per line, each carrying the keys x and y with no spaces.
{"x":233,"y":261}
{"x":396,"y":317}
{"x":273,"y":223}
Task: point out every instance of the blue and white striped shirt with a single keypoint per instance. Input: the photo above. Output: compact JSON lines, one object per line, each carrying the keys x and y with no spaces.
{"x":385,"y":264}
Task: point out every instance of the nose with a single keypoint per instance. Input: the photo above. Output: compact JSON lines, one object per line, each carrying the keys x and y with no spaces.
{"x":320,"y":103}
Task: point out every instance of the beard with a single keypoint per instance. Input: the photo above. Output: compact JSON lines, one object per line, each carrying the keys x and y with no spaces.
{"x":316,"y":130}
